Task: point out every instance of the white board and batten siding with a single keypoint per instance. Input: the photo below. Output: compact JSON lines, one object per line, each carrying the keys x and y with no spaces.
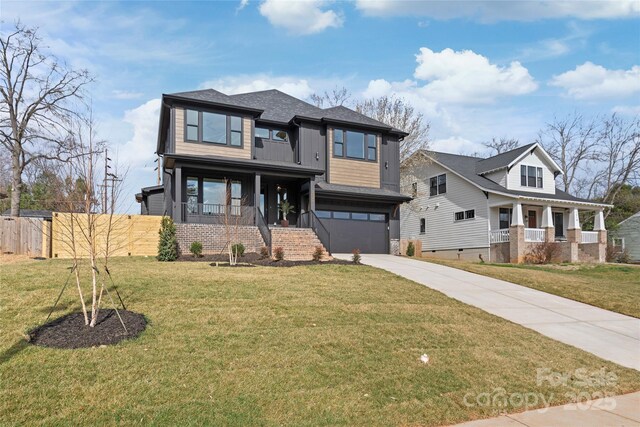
{"x":532,"y":159}
{"x":442,"y":231}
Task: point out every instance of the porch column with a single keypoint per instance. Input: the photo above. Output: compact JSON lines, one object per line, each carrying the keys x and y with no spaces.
{"x":312,"y":194}
{"x":574,"y":235}
{"x":177,"y":203}
{"x":256,"y":196}
{"x":547,"y":224}
{"x":598,"y":225}
{"x":516,"y":234}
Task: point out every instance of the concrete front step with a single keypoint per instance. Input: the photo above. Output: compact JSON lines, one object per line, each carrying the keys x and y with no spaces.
{"x":299,"y":244}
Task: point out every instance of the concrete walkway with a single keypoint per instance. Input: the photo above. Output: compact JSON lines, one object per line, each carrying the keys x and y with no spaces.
{"x":615,"y":411}
{"x":606,"y":334}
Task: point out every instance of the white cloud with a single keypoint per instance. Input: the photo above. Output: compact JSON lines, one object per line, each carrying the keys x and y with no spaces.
{"x":125,"y":94}
{"x":492,"y":10}
{"x":242,"y":5}
{"x":293,"y":86}
{"x":463,"y":77}
{"x":592,"y":82}
{"x":627,"y":110}
{"x":455,"y":144}
{"x":138,"y":151}
{"x":302,"y":16}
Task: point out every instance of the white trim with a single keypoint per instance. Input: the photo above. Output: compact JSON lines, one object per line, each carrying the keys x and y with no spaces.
{"x":531,"y":150}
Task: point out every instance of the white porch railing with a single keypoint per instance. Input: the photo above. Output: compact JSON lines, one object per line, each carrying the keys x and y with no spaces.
{"x":499,"y":236}
{"x":534,"y":235}
{"x":589,"y":237}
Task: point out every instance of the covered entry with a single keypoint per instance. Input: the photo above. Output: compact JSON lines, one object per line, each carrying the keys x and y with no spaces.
{"x":365,"y":231}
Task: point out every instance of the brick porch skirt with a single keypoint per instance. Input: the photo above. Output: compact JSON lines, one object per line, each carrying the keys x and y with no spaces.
{"x":214,"y":237}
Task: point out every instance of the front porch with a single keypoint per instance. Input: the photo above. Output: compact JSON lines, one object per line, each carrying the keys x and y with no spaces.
{"x":517,"y":228}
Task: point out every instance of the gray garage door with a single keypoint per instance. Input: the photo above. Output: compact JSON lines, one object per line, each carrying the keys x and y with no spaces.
{"x":356,"y":230}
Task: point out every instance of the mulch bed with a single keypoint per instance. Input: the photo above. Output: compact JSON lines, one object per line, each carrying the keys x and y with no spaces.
{"x":253,"y":259}
{"x":70,"y":331}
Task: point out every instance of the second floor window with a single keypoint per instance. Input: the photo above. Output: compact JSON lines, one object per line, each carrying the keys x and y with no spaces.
{"x":355,"y":145}
{"x":438,"y":185}
{"x":213,"y":128}
{"x":278,"y":135}
{"x":531,"y":176}
{"x":423,"y":225}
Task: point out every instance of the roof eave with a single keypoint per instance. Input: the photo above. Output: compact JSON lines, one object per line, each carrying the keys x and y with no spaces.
{"x":255,"y":111}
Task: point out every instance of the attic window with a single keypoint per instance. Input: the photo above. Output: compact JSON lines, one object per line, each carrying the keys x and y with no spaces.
{"x":531,"y":176}
{"x":438,"y":185}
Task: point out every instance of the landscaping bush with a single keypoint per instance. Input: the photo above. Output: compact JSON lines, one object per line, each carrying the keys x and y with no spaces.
{"x":278,"y":253}
{"x":196,"y":249}
{"x":623,"y":257}
{"x":317,"y":254}
{"x":411,"y":249}
{"x":238,"y":249}
{"x":542,"y":253}
{"x":168,"y":245}
{"x":356,"y":258}
{"x":264,"y":252}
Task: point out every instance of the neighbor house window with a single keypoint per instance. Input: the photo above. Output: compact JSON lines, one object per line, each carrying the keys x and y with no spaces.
{"x":213,"y":128}
{"x":505,"y":218}
{"x":531,"y":176}
{"x":192,"y":125}
{"x":355,"y":145}
{"x":438,"y":185}
{"x":414,"y":190}
{"x":462,"y":215}
{"x":423,"y":225}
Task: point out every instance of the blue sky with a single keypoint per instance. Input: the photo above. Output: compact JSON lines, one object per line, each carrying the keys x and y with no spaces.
{"x":476,"y":70}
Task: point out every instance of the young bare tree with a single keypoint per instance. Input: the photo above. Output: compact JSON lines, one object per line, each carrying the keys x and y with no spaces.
{"x":501,"y":145}
{"x":571,"y":143}
{"x":38,"y":92}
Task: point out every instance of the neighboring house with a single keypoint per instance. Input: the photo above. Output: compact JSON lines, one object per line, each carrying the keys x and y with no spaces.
{"x":32,"y":213}
{"x":235,"y":158}
{"x":496,"y":208}
{"x":627,"y":236}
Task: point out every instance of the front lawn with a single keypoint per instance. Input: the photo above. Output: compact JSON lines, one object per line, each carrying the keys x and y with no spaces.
{"x":610,"y":286}
{"x":309,"y":345}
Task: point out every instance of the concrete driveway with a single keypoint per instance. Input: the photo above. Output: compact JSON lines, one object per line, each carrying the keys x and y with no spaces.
{"x":610,"y":335}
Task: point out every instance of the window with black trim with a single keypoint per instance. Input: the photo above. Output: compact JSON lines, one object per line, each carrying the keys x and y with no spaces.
{"x":531,"y":176}
{"x":423,"y":225}
{"x":414,"y":190}
{"x":213,"y":128}
{"x":355,"y":145}
{"x":464,"y":215}
{"x":277,"y":135}
{"x":505,"y":218}
{"x":438,"y":185}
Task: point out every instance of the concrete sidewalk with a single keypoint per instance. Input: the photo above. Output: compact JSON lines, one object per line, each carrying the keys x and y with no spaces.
{"x":612,"y":412}
{"x":606,"y":334}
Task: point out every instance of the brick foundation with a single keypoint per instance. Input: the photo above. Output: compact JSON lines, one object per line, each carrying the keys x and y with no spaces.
{"x":500,"y":252}
{"x":213,"y":237}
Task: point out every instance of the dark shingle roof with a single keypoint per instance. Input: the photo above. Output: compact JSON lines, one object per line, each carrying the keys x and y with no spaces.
{"x":277,"y":106}
{"x":501,"y":160}
{"x":467,"y":167}
{"x":348,"y":190}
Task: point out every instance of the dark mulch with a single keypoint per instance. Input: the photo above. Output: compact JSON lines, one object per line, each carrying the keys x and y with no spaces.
{"x":253,"y":259}
{"x":70,"y":331}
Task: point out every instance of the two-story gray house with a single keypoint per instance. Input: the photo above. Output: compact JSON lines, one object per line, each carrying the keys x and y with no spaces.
{"x":236,"y":158}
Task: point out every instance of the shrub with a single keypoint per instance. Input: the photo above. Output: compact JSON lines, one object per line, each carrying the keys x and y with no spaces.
{"x":542,"y":253}
{"x":317,"y":254}
{"x":168,"y":245}
{"x":264,"y":252}
{"x":623,"y":257}
{"x":356,"y":256}
{"x":196,"y":249}
{"x":278,"y":253}
{"x":411,"y":249}
{"x":611,"y":253}
{"x":238,"y":249}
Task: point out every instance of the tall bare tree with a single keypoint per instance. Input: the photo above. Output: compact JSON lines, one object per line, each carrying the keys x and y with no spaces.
{"x":38,"y":92}
{"x":501,"y":145}
{"x":571,"y":142}
{"x":337,"y":96}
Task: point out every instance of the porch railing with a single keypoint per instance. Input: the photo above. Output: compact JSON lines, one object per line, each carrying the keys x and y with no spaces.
{"x":261,"y":223}
{"x":311,"y":220}
{"x":499,"y":236}
{"x":204,"y":213}
{"x":534,"y":235}
{"x":589,"y":237}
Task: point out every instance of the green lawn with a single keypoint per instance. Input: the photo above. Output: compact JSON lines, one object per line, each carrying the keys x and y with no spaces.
{"x":609,"y":286}
{"x":314,"y":345}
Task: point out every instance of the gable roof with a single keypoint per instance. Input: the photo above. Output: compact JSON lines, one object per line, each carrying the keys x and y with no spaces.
{"x":466,"y":167}
{"x":511,"y":157}
{"x":632,"y":217}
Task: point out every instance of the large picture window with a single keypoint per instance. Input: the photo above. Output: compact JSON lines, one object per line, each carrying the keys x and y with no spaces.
{"x":355,"y":145}
{"x":213,"y":128}
{"x":438,"y":185}
{"x":211,"y":196}
{"x":531,"y":176}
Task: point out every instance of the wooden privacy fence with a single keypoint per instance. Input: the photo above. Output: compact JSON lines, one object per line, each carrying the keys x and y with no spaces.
{"x":25,"y":236}
{"x":127,"y":235}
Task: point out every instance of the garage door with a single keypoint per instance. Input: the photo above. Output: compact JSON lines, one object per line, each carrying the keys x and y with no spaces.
{"x":356,"y":230}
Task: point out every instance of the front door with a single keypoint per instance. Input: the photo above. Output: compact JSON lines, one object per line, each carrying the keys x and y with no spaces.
{"x":558,"y":223}
{"x":533,"y":221}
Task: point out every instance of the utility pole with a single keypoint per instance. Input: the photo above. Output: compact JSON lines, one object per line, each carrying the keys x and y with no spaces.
{"x":104,"y":183}
{"x":158,"y":162}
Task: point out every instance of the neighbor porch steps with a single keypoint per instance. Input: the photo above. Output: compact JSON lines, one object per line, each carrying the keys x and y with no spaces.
{"x":299,"y":244}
